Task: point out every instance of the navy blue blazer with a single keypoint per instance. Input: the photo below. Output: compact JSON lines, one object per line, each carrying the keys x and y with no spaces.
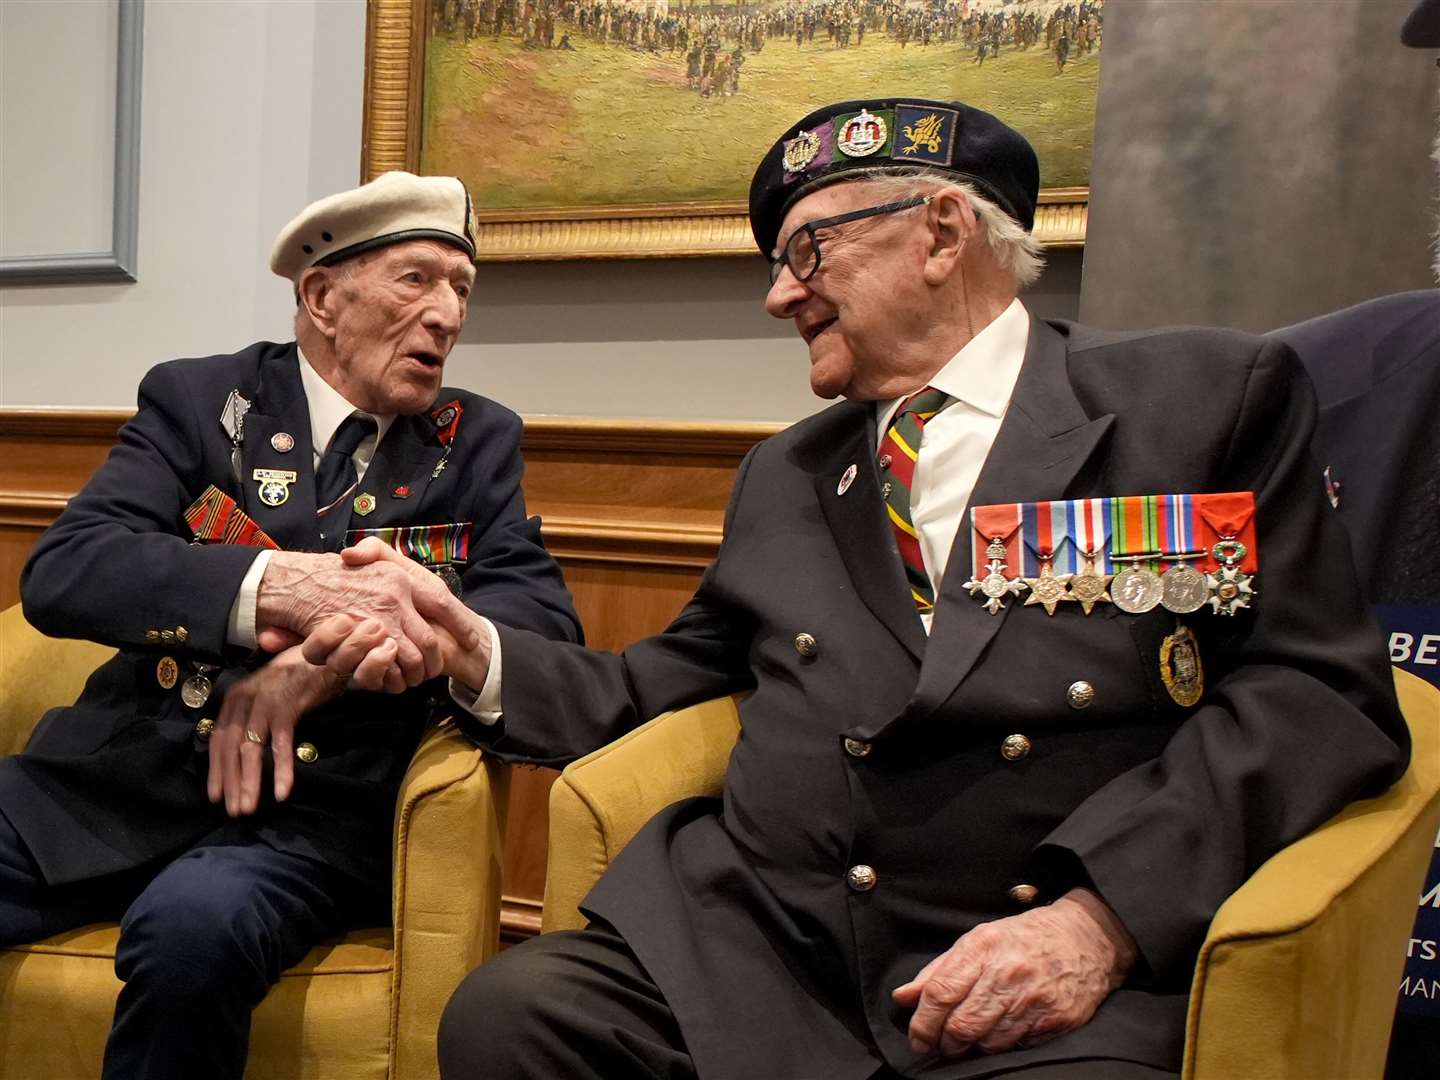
{"x":118,"y":779}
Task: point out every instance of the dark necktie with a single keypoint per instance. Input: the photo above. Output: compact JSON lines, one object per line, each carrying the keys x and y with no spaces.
{"x":898,"y":454}
{"x":336,"y":479}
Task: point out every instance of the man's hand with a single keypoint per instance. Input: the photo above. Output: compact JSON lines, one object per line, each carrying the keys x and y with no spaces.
{"x":361,"y":649}
{"x":268,"y":703}
{"x":299,"y":591}
{"x":1024,"y":979}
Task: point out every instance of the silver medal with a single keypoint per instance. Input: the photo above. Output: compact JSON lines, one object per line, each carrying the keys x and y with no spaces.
{"x":1183,"y":589}
{"x":196,"y":691}
{"x":1136,"y":589}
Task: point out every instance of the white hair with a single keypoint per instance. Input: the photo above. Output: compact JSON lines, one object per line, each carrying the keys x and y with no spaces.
{"x":1015,"y":249}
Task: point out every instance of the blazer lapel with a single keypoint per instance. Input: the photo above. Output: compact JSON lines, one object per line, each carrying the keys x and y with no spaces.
{"x":862,"y":532}
{"x":1043,"y":445}
{"x":280,"y":407}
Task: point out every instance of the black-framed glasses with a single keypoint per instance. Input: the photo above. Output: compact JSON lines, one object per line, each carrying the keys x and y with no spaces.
{"x":802,"y":249}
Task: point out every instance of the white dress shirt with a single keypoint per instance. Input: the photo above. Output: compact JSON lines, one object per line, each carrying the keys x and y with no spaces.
{"x":956,"y":442}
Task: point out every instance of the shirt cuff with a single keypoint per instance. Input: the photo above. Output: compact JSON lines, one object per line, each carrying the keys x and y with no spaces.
{"x":240,"y":629}
{"x":485,"y":705}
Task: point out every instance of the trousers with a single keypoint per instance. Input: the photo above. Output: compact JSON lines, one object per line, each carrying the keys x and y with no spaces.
{"x":202,"y":939}
{"x":578,"y":1005}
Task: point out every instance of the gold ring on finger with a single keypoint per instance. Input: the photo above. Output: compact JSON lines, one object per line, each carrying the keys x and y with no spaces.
{"x":255,"y":737}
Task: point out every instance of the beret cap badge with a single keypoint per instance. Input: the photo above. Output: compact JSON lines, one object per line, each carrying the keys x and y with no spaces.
{"x":862,"y":135}
{"x":801,"y":151}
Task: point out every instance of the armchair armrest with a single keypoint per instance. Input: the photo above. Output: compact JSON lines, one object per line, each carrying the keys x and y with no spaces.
{"x":1298,"y":974}
{"x":449,"y":824}
{"x":605,"y":798}
{"x":38,"y":673}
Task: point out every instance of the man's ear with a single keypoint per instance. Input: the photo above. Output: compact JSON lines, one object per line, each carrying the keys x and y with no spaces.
{"x":317,"y":293}
{"x":952,"y":221}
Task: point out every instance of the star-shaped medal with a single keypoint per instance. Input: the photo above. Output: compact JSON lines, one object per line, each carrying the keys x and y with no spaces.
{"x":1088,"y":587}
{"x":1048,"y":589}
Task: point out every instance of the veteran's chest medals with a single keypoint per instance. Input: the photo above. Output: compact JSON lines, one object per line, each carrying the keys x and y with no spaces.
{"x":994,"y":586}
{"x":1230,"y":587}
{"x":1090,"y":586}
{"x":1048,"y":588}
{"x":232,"y":419}
{"x":1136,"y":589}
{"x":274,"y":485}
{"x":1182,"y":587}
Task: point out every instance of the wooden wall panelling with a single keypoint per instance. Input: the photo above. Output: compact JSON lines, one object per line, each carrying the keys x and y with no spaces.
{"x":632,"y":510}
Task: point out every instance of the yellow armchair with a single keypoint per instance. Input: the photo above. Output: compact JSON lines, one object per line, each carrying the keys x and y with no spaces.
{"x":1298,"y":974}
{"x":365,"y":1005}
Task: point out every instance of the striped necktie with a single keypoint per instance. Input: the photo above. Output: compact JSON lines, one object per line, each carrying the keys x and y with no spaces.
{"x":899,"y":451}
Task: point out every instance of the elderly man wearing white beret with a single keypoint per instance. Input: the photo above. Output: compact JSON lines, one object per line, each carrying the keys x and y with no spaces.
{"x":231,"y":807}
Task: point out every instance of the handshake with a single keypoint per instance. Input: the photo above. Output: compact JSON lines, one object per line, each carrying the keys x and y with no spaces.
{"x":368,"y":618}
{"x":370,"y":615}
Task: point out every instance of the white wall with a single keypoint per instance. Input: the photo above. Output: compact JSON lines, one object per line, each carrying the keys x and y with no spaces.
{"x":251,"y":109}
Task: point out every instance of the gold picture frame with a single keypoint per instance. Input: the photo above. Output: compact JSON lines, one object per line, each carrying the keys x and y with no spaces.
{"x":394,"y":87}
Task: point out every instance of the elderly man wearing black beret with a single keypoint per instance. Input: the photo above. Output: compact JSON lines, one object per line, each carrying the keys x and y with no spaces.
{"x":231,"y":809}
{"x":1045,"y":639}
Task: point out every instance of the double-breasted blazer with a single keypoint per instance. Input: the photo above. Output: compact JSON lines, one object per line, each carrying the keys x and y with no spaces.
{"x":881,"y":748}
{"x":118,"y":778}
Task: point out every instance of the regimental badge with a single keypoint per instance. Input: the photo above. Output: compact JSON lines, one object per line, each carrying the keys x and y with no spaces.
{"x":167,"y":673}
{"x":863,"y":134}
{"x":364,"y":504}
{"x":924,"y":134}
{"x":1048,"y":588}
{"x":1180,"y":668}
{"x":275,"y":485}
{"x":801,"y":151}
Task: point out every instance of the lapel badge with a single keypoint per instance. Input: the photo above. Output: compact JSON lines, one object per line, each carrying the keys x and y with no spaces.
{"x":403,"y":491}
{"x":167,"y":672}
{"x":275,"y":485}
{"x":364,"y":504}
{"x":282,"y":442}
{"x":447,"y":422}
{"x":846,"y":479}
{"x":1332,"y":488}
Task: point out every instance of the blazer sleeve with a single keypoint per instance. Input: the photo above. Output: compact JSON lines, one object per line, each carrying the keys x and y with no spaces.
{"x":116,"y":562}
{"x":560,"y":702}
{"x":510,"y":577}
{"x":1299,"y":717}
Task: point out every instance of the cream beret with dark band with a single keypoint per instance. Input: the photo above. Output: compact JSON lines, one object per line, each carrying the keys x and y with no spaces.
{"x":394,"y":207}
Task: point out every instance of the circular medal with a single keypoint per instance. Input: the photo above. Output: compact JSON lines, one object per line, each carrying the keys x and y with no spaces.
{"x":995,"y":585}
{"x":862,"y":134}
{"x":274,"y":493}
{"x":1136,"y":590}
{"x":1183,"y":589}
{"x":282,"y":442}
{"x":447,"y":573}
{"x":196,"y":691}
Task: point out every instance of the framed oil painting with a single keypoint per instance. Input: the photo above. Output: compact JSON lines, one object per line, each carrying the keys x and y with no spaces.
{"x":630,"y":128}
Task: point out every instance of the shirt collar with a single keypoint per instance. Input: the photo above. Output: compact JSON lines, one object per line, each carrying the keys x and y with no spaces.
{"x":328,"y":408}
{"x":983,"y":373}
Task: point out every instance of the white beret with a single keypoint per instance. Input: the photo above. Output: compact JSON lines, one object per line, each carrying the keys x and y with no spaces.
{"x":393,"y":207}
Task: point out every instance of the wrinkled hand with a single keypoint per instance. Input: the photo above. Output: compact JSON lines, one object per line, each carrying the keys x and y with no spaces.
{"x":300,"y":591}
{"x":1024,"y":979}
{"x":361,"y":649}
{"x":269,"y":702}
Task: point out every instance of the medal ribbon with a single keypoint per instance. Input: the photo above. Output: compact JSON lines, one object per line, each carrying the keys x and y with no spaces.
{"x":1135,"y":526}
{"x":998,"y":522}
{"x":1089,"y":521}
{"x":217,"y":518}
{"x":1177,"y":526}
{"x":1045,"y":528}
{"x":428,"y":544}
{"x":1227,"y":515}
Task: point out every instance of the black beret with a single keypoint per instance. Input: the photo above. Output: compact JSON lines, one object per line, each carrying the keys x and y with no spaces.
{"x":849,"y":138}
{"x":1422,"y":28}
